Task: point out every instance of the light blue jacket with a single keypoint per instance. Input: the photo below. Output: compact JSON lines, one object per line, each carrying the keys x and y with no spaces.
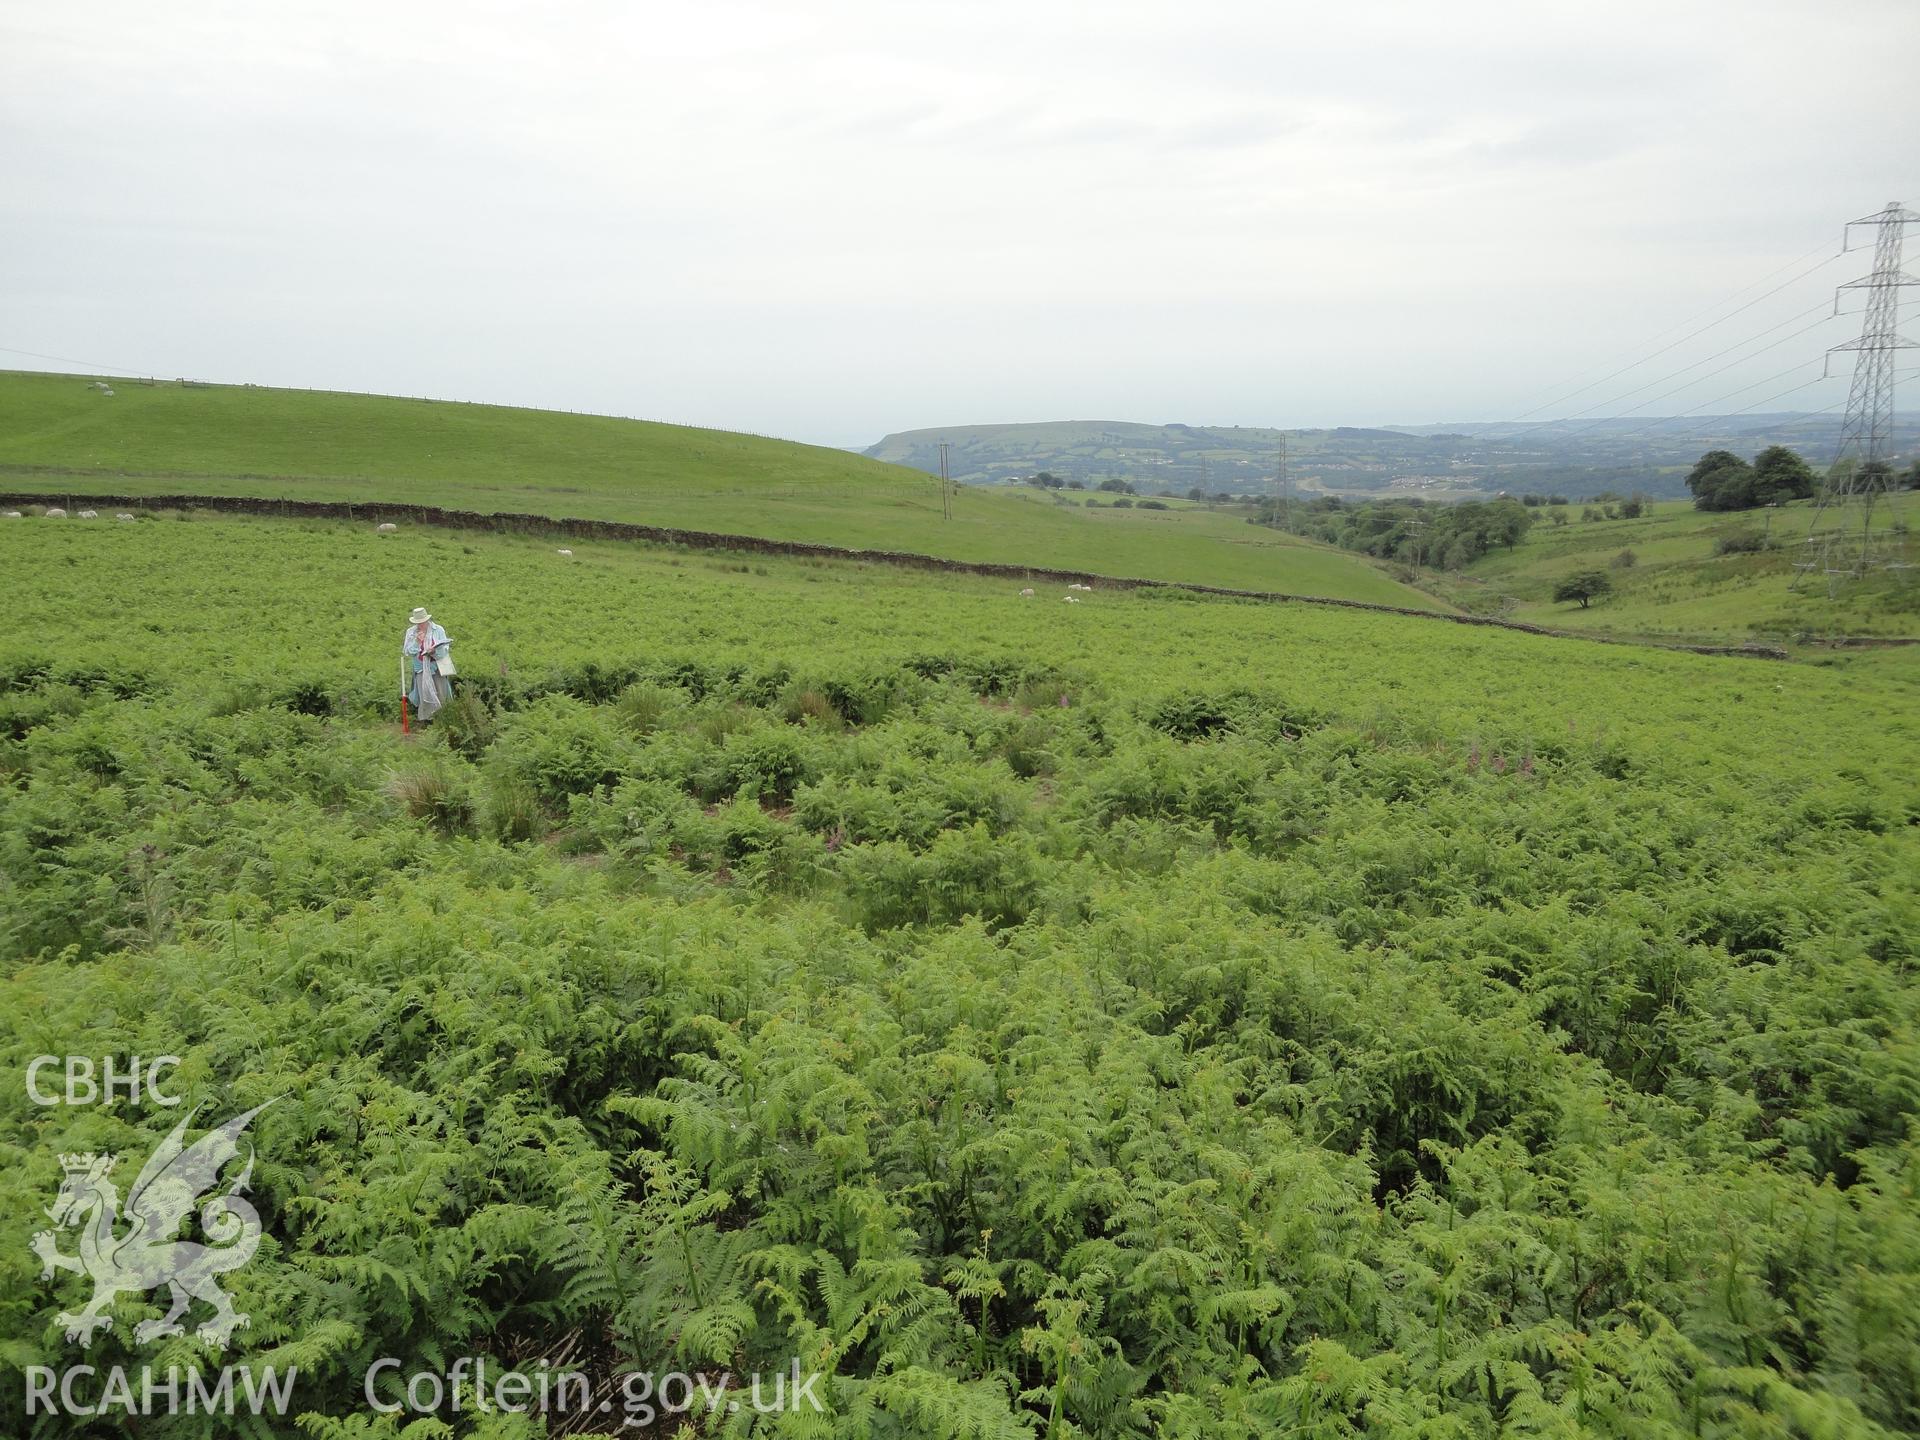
{"x":421,"y":683}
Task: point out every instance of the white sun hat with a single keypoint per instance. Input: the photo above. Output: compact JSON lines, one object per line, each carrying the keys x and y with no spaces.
{"x":419,"y":616}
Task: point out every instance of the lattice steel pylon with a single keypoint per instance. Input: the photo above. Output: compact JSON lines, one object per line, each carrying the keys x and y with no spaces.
{"x":1855,"y":528}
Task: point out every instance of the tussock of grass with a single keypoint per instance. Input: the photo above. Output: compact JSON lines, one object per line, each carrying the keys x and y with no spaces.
{"x":434,"y":791}
{"x":643,"y":708}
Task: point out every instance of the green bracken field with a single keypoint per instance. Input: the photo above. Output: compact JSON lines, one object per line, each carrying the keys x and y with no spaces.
{"x":1152,"y":1016}
{"x":58,"y":434}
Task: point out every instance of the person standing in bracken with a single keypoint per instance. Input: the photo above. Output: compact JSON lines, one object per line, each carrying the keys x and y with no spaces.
{"x":426,"y":666}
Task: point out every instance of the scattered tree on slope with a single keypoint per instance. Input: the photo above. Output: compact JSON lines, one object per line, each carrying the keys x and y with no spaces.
{"x":1584,"y":586}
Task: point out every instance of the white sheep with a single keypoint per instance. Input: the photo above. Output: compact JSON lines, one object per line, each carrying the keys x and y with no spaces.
{"x":123,"y":516}
{"x":1027,"y":594}
{"x":89,"y":514}
{"x":385,"y":527}
{"x":11,"y":515}
{"x":56,"y":513}
{"x":1073,"y":599}
{"x":563,"y":552}
{"x":1076,"y":585}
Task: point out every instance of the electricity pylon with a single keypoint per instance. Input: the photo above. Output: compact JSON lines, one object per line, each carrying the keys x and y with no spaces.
{"x":1843,"y":542}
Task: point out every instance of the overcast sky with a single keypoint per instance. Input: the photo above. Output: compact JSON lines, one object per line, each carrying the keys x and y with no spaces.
{"x":830,"y":220}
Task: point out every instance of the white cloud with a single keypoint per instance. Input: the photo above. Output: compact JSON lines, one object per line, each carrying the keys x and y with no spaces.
{"x":837,"y":219}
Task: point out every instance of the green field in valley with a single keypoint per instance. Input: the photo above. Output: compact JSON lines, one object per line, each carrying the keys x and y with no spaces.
{"x":1677,"y":586}
{"x":58,"y":433}
{"x":1152,"y":1016}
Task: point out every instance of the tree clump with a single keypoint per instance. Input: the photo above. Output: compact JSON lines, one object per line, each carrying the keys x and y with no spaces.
{"x":1721,"y":480}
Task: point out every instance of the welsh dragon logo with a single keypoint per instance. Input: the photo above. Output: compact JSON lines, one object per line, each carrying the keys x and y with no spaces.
{"x":150,"y":1255}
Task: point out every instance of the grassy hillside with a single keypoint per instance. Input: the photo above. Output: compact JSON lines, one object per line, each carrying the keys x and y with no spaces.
{"x":1157,"y":1015}
{"x":1678,"y":586}
{"x":247,"y":440}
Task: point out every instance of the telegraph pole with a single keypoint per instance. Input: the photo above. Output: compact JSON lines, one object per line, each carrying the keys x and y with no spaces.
{"x":1842,"y":541}
{"x":946,"y":488}
{"x":1286,"y":486}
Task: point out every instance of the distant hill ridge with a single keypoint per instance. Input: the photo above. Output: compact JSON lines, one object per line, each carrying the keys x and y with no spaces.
{"x":1447,"y":460}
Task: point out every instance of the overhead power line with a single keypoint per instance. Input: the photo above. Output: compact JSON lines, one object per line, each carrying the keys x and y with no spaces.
{"x":1691,"y":334}
{"x":1689,"y":384}
{"x":70,"y":360}
{"x":1818,"y":310}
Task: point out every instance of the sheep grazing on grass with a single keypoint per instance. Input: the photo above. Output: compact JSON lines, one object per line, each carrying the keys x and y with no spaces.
{"x":89,"y":514}
{"x":56,"y":513}
{"x":1027,"y":594}
{"x":11,"y":515}
{"x":385,"y":527}
{"x":1076,"y":585}
{"x":563,"y":552}
{"x":1073,"y":599}
{"x":123,"y":516}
